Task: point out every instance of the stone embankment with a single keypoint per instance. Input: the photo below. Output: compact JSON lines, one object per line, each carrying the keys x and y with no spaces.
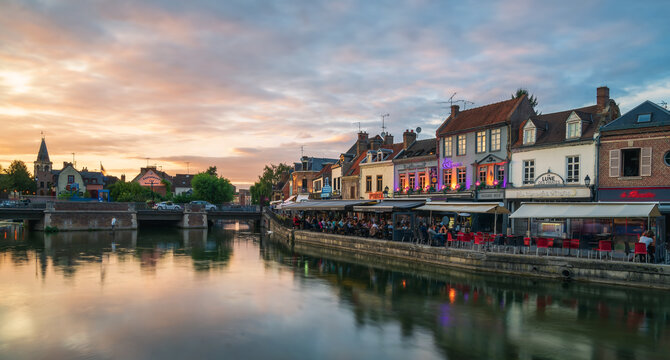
{"x":548,"y":267}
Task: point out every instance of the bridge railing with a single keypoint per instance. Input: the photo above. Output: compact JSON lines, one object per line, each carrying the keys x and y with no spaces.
{"x":239,"y":208}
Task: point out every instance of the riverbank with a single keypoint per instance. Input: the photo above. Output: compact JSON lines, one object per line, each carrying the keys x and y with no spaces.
{"x":547,"y":267}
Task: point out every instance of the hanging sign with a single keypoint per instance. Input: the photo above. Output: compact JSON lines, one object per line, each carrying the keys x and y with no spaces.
{"x":448,"y":164}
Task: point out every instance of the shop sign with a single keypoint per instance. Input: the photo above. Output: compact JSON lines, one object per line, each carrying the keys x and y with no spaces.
{"x":376,"y":195}
{"x":326,"y":191}
{"x":490,"y":195}
{"x":448,"y":164}
{"x":634,"y":194}
{"x":549,"y":178}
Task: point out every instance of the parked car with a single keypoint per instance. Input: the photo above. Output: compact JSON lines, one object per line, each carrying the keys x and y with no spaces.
{"x":167,"y":205}
{"x":205,"y":204}
{"x":7,"y":203}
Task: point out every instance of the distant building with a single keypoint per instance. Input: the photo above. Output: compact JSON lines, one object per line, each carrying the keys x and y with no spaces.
{"x":69,"y":180}
{"x":244,"y":197}
{"x":44,"y":178}
{"x":305,"y":171}
{"x":94,"y":181}
{"x":416,"y":166}
{"x":376,"y":172}
{"x":322,"y":179}
{"x":152,"y":178}
{"x":182,"y":184}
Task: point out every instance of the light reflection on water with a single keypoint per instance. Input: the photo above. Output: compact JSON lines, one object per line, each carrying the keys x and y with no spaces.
{"x":202,"y":294}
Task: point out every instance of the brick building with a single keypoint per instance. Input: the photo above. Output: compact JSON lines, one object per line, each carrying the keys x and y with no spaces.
{"x":634,"y":163}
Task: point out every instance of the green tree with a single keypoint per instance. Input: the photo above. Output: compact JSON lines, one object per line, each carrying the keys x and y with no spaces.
{"x":531,"y":98}
{"x":130,"y":192}
{"x":211,"y":170}
{"x":211,"y":188}
{"x":272,"y":175}
{"x":18,"y":178}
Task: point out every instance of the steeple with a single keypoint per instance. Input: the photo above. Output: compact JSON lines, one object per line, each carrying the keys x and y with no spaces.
{"x":43,"y":154}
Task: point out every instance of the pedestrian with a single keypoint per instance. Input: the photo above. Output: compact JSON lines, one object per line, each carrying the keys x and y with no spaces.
{"x":113,"y":223}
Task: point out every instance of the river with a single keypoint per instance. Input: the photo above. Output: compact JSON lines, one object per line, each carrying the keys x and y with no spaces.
{"x":178,"y":294}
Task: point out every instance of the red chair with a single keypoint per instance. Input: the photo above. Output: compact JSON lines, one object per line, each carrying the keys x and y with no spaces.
{"x":479,"y":240}
{"x":527,"y":242}
{"x":604,"y":246}
{"x":542,"y":243}
{"x":574,"y":244}
{"x":567,"y":244}
{"x":450,"y":239}
{"x":641,"y":249}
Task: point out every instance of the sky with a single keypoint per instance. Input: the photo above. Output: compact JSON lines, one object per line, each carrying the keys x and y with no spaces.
{"x":185,"y":85}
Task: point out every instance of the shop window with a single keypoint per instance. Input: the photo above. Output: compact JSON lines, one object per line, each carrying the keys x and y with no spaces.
{"x":528,"y":172}
{"x":368,"y":183}
{"x":481,"y":142}
{"x":495,"y":140}
{"x":379,"y":182}
{"x":412,"y":181}
{"x":461,"y":176}
{"x":403,"y":181}
{"x":572,"y":163}
{"x":422,"y":180}
{"x":461,"y":145}
{"x":630,"y":162}
{"x":447,"y":150}
{"x":447,"y":177}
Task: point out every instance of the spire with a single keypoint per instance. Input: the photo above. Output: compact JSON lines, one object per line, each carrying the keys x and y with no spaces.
{"x":43,"y":154}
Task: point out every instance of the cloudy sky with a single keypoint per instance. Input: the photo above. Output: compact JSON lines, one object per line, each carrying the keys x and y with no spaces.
{"x":239,"y":84}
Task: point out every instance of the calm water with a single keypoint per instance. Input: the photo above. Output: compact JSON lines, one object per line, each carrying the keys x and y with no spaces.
{"x":171,"y":294}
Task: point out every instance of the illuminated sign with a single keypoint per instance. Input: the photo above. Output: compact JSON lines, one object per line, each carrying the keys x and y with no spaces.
{"x":376,"y":196}
{"x":634,"y":194}
{"x":448,"y":164}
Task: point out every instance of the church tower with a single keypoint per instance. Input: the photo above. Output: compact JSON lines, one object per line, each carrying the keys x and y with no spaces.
{"x":43,"y":167}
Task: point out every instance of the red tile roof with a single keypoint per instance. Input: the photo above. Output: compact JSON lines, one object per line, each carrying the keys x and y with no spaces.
{"x":326,"y":169}
{"x":487,"y":115}
{"x":356,"y":166}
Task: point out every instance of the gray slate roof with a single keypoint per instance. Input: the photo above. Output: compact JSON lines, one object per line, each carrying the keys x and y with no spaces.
{"x":659,"y":117}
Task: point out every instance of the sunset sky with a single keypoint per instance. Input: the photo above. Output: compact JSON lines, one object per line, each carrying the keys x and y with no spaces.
{"x":239,"y":84}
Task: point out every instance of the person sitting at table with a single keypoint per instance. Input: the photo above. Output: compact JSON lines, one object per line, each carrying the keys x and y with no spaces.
{"x":648,"y":239}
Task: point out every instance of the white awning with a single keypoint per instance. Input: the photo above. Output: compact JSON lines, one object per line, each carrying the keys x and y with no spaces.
{"x":586,"y":210}
{"x":389,"y":206}
{"x":324,"y":205}
{"x":303,"y":197}
{"x":465,"y":207}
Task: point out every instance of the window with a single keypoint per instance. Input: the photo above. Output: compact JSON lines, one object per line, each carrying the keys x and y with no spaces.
{"x":528,"y":136}
{"x":666,"y":158}
{"x":495,"y":140}
{"x":317,"y":185}
{"x":528,"y":171}
{"x":447,"y":177}
{"x":481,"y":142}
{"x":379,"y":182}
{"x":461,"y":145}
{"x":304,"y":185}
{"x":41,"y":184}
{"x":461,"y":175}
{"x":482,"y":175}
{"x":644,"y":118}
{"x":573,"y":169}
{"x":500,"y":173}
{"x":573,"y":130}
{"x":368,"y":183}
{"x":630,"y":162}
{"x":70,"y":179}
{"x":447,"y":150}
{"x":403,"y":181}
{"x":422,"y":180}
{"x":412,"y":181}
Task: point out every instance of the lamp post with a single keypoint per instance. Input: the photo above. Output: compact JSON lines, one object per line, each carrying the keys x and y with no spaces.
{"x":386,"y":192}
{"x":587,"y":182}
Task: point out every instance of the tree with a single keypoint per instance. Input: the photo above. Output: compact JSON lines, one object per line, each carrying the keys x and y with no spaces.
{"x":211,"y":170}
{"x":18,"y":178}
{"x":129,"y":192}
{"x":261,"y":190}
{"x":531,"y":98}
{"x":211,"y":188}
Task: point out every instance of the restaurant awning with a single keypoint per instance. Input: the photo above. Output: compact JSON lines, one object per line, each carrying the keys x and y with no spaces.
{"x":389,"y":206}
{"x":586,"y":210}
{"x":465,"y":207}
{"x":324,"y":205}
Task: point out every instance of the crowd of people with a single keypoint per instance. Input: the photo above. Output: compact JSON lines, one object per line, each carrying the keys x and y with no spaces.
{"x":364,"y":227}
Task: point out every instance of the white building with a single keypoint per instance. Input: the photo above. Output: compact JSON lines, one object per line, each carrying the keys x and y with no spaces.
{"x":376,"y":172}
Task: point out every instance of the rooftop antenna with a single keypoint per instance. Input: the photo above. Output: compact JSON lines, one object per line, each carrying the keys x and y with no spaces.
{"x":147,"y":161}
{"x":384,"y":116}
{"x":451,"y":100}
{"x":187,"y":168}
{"x":664,"y":104}
{"x":359,"y":125}
{"x":74,"y":163}
{"x":302,"y":151}
{"x":465,"y":103}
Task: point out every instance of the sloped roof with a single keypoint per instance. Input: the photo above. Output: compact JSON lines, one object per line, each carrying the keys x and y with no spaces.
{"x":550,"y":128}
{"x":355,"y":168}
{"x":43,"y":154}
{"x":90,"y":175}
{"x":326,"y":169}
{"x":162,"y":174}
{"x":659,"y":117}
{"x":182,"y":180}
{"x":487,"y":115}
{"x":419,"y":148}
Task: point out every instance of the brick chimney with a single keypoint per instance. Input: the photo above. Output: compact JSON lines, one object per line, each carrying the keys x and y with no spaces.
{"x":388,"y":139}
{"x":362,"y":143}
{"x":376,"y":143}
{"x":454,"y":110}
{"x":602,"y":96}
{"x":408,"y":138}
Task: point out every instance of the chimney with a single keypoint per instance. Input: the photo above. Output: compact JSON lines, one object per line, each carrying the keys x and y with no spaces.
{"x":376,"y":143}
{"x":454,"y":110}
{"x":388,"y":139}
{"x":602,"y":96}
{"x":408,"y":138}
{"x":362,"y":143}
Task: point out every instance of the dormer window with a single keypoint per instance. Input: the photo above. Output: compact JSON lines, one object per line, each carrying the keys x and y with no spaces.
{"x":529,"y":134}
{"x":380,"y":156}
{"x":644,"y":118}
{"x":573,"y":127}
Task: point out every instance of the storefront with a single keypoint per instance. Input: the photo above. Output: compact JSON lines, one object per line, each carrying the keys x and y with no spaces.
{"x":470,"y":216}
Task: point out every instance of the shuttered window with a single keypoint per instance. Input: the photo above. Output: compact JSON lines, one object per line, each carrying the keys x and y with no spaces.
{"x":645,"y":162}
{"x":615,"y":163}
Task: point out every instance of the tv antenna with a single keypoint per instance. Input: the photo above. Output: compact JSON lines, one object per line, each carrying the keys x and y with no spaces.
{"x":147,"y":161}
{"x":302,"y":151}
{"x":465,"y":103}
{"x":359,"y":125}
{"x":187,"y":167}
{"x":664,"y":104}
{"x":384,"y":116}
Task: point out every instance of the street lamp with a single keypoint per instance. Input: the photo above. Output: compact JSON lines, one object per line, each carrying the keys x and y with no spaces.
{"x":386,"y":191}
{"x":587,"y":181}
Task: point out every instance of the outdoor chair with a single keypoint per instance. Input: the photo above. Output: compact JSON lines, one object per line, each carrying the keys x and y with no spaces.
{"x":527,"y":242}
{"x":542,"y":243}
{"x":641,"y":249}
{"x":479,"y":240}
{"x":567,"y":244}
{"x":450,"y":239}
{"x":604,"y":246}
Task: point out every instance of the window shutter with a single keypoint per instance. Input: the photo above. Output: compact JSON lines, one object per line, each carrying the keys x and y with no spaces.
{"x":645,"y":163}
{"x":615,"y":163}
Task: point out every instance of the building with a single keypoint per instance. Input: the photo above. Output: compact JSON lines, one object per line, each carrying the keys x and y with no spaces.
{"x":94,"y":181}
{"x":555,"y":155}
{"x":350,"y":180}
{"x":305,"y":171}
{"x":43,"y":171}
{"x":634,"y":159}
{"x":343,"y":166}
{"x":181,"y":184}
{"x":152,"y":178}
{"x":244,"y":197}
{"x":69,"y":180}
{"x":321,"y":185}
{"x":376,"y":180}
{"x":415,"y":167}
{"x":473,"y":147}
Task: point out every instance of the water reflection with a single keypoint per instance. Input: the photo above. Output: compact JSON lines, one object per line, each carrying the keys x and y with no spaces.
{"x":164,"y":293}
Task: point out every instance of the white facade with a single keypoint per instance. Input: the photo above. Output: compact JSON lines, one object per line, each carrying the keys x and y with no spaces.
{"x":379,"y":173}
{"x":336,"y":173}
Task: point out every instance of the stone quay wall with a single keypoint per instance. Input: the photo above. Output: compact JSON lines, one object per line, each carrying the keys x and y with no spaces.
{"x":72,"y":216}
{"x":548,"y":267}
